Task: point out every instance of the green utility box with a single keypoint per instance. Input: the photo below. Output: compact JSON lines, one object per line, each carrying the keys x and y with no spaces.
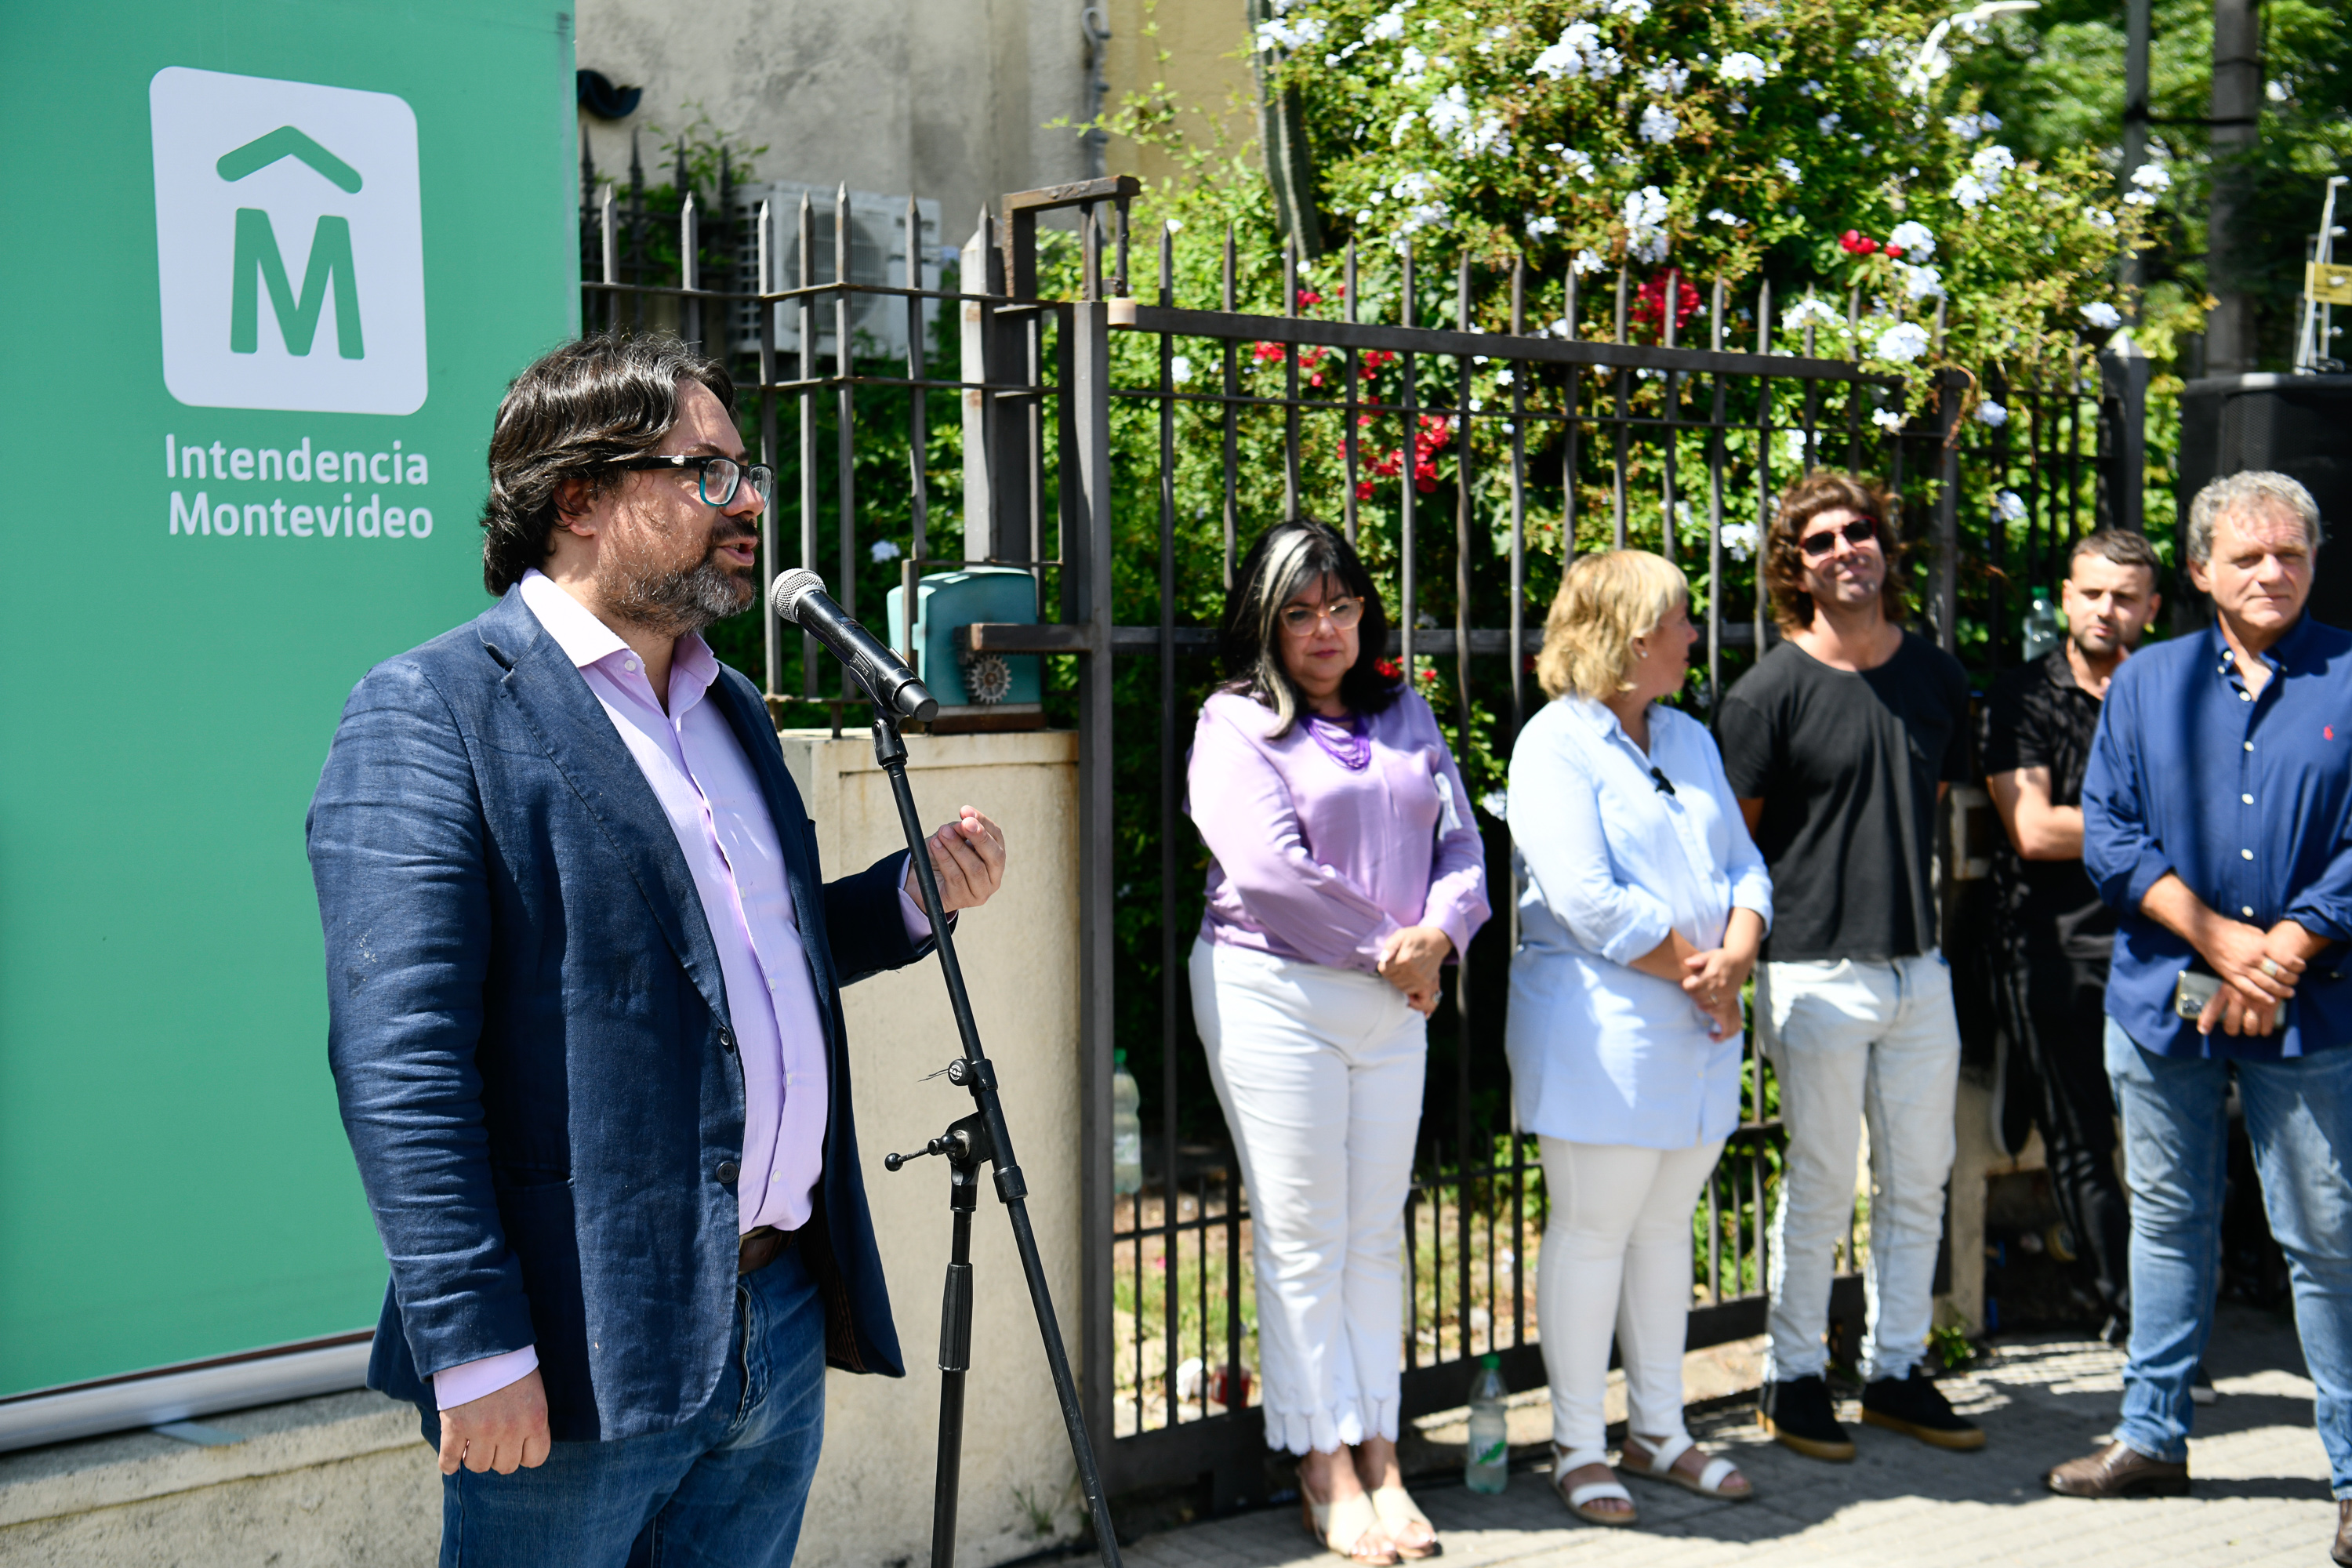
{"x":949,"y":600}
{"x":276,"y":264}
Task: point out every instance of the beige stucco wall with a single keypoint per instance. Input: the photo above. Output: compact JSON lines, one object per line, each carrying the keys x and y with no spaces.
{"x":872,"y":1499}
{"x":946,"y":98}
{"x":1188,"y":52}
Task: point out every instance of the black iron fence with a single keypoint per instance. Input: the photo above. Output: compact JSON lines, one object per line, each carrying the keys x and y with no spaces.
{"x":1122,"y":450}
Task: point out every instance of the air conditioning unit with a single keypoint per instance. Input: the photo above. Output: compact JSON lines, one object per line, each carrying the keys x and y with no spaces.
{"x":877,"y":254}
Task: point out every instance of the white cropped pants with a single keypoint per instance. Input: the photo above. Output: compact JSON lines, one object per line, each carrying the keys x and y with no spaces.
{"x":1319,"y":1072}
{"x":1616,"y":1256}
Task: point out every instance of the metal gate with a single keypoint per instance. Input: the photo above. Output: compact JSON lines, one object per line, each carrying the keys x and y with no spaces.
{"x":1516,"y":433}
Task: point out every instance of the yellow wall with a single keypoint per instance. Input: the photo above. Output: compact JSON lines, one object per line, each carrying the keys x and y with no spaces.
{"x":1204,"y":72}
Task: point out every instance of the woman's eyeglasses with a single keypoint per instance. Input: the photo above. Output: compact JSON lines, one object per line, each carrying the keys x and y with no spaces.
{"x":1858,"y":532}
{"x":1299,"y":619}
{"x":717,"y":478}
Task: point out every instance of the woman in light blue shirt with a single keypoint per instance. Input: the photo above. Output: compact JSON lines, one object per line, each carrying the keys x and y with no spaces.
{"x":1645,"y":903}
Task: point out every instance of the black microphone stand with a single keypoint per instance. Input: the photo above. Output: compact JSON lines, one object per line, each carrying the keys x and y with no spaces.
{"x":971,"y":1142}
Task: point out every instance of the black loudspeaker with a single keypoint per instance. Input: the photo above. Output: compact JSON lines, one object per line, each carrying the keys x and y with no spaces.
{"x":2300,"y":425}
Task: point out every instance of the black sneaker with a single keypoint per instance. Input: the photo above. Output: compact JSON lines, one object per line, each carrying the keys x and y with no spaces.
{"x":1915,"y":1405}
{"x":1800,"y":1414}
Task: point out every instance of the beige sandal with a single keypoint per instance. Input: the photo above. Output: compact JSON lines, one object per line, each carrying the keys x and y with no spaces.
{"x":1349,"y":1528}
{"x":1580,"y":1499}
{"x":1398,"y":1513}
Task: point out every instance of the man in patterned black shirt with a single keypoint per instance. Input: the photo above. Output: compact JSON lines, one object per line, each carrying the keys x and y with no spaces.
{"x":2055,"y":935}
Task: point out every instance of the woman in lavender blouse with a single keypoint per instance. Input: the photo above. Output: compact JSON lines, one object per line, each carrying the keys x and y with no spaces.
{"x":1346,"y":873}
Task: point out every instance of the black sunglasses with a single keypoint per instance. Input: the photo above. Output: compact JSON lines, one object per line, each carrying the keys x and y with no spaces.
{"x":1858,"y":532}
{"x":715,"y":478}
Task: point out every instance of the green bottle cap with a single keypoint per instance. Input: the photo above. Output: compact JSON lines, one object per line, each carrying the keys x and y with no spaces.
{"x":1491,"y":1361}
{"x":1118,"y":1059}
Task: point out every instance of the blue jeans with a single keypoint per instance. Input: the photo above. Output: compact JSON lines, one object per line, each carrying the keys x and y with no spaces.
{"x":725,"y":1489}
{"x":2176,"y":1144}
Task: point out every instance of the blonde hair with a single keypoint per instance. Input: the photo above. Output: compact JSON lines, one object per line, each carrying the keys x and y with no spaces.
{"x":1604,"y":603}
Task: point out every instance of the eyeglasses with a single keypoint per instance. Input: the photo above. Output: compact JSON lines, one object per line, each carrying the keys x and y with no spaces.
{"x":1858,"y":532}
{"x":1299,"y":619}
{"x":717,"y":478}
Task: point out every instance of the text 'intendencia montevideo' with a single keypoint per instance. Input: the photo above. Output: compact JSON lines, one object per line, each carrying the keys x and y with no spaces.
{"x":318,"y":512}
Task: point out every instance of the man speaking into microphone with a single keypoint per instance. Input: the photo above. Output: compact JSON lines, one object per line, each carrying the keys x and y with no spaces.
{"x":584,"y":1003}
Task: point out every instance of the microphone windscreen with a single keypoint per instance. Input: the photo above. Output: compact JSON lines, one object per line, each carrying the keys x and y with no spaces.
{"x":784,"y":594}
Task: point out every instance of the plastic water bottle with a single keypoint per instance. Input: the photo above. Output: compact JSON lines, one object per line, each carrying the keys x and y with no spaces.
{"x":1488,"y":1469}
{"x":2040,"y":628}
{"x":1126,"y":1128}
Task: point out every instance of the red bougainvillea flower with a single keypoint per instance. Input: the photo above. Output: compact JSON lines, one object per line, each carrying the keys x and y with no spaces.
{"x":1895,"y":253}
{"x":1373,"y":360}
{"x":1309,"y":297}
{"x":1855,"y":243}
{"x":1268,"y":353}
{"x":1650,"y":304}
{"x":1390,"y":668}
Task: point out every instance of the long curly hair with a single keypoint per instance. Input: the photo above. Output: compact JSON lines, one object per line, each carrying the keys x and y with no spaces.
{"x":579,"y":410}
{"x":1825,"y":489}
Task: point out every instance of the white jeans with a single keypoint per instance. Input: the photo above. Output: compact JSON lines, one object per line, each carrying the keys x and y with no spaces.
{"x":1616,"y":1252}
{"x":1319,"y":1072}
{"x":1856,"y":1041}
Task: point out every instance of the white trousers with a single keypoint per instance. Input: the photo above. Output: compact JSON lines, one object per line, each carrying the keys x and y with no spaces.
{"x":1319,"y":1072}
{"x":1616,"y":1253}
{"x":1854,"y":1042}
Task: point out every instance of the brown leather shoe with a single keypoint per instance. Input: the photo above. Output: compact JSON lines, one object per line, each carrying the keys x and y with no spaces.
{"x":2121,"y":1470}
{"x":2342,"y":1551}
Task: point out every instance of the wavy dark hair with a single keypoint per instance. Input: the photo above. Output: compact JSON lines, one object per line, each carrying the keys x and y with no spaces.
{"x":579,"y":410}
{"x":1822,"y":490}
{"x":1288,"y":559}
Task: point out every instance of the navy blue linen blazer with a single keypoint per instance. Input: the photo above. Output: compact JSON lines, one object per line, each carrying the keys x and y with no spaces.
{"x":529,"y":1036}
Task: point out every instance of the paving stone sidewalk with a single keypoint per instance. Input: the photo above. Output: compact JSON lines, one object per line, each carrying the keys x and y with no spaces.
{"x":2260,"y":1486}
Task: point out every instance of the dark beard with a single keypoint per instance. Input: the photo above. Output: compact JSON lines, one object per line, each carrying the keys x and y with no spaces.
{"x":676,"y":603}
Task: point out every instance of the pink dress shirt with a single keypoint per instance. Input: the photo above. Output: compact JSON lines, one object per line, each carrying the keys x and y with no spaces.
{"x":706,"y":786}
{"x":1316,"y":861}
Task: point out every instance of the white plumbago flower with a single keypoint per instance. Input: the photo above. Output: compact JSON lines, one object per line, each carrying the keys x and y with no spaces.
{"x":1668,"y":79}
{"x":1718,"y":215}
{"x":1990,"y":120}
{"x":1788,"y":170}
{"x":2099,"y":217}
{"x":1471,"y":132}
{"x":1578,"y":51}
{"x":1587,"y":261}
{"x":1496,"y":804}
{"x":1739,"y":539}
{"x":1808,"y":309}
{"x":1990,"y":165}
{"x":1871,"y":48}
{"x":1635,"y":12}
{"x":1887,"y":418}
{"x":2102,"y":314}
{"x":883,"y":549}
{"x":1901,"y":344}
{"x":1966,"y":127}
{"x":1829,"y":123}
{"x":2008,"y":506}
{"x":1179,"y":369}
{"x":1992,"y":413}
{"x":1278,"y":33}
{"x":1539,"y":228}
{"x":1920,"y":282}
{"x":1576,"y":163}
{"x":1645,"y":224}
{"x":1916,"y":240}
{"x":1741,"y":66}
{"x":1792,"y":445}
{"x":1412,"y":66}
{"x":1658,"y":125}
{"x":2139,"y":198}
{"x":2152,"y":177}
{"x":1970,"y":192}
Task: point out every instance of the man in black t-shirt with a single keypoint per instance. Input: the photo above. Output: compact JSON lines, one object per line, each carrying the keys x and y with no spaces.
{"x":1840,"y":744}
{"x":2055,"y":934}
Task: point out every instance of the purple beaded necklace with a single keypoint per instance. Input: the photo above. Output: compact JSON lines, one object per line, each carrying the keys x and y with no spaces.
{"x":1349,"y":740}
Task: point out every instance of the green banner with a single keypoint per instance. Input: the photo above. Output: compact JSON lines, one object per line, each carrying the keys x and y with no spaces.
{"x":270,"y":266}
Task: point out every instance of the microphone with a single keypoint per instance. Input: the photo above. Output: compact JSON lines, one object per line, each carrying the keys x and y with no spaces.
{"x":1659,"y":781}
{"x":799,"y":596}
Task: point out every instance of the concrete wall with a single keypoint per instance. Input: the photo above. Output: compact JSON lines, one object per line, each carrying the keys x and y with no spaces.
{"x":346,"y":1479}
{"x":1203,"y":74}
{"x":946,"y":98}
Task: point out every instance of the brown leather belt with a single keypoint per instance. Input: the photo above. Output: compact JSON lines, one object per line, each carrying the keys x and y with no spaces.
{"x":762,"y":1248}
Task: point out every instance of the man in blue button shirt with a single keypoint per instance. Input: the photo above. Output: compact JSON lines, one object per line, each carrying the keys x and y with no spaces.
{"x":2214,"y":819}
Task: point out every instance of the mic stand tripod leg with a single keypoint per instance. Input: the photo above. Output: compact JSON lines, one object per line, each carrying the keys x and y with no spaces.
{"x":987,"y":1142}
{"x":955,"y":1345}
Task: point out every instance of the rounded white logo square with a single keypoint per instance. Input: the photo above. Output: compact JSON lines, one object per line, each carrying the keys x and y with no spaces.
{"x":290,"y":242}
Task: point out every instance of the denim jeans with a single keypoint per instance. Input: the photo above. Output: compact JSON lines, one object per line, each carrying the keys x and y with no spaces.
{"x":723,"y":1490}
{"x":2176,"y":1142}
{"x":1852,"y":1042}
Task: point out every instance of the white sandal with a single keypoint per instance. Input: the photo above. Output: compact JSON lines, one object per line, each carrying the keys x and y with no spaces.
{"x":1708,"y":1483}
{"x":1579,"y":1498}
{"x":1398,"y":1512}
{"x":1345,"y":1528}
